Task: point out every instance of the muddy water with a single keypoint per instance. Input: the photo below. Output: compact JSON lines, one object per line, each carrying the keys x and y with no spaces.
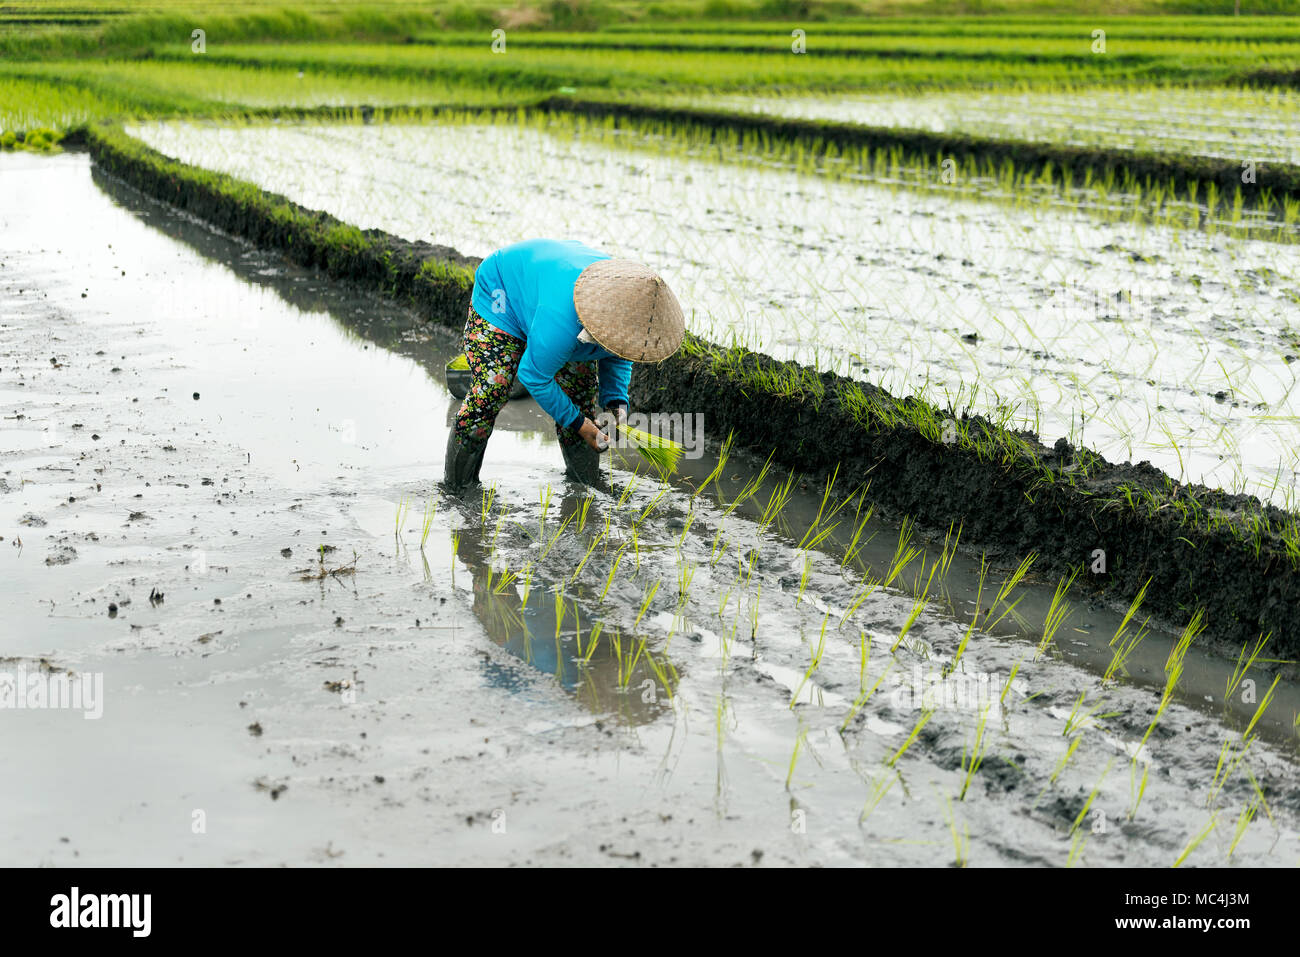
{"x":383,"y":702}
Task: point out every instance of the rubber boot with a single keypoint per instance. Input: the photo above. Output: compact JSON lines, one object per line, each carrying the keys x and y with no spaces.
{"x":582,"y":464}
{"x":462,"y":465}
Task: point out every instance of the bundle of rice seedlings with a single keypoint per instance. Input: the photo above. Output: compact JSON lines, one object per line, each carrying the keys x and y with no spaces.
{"x":460,"y":362}
{"x":660,"y":452}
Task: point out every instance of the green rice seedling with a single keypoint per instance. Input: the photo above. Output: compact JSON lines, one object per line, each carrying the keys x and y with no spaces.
{"x":950,"y":543}
{"x":718,"y":549}
{"x":1006,"y":687}
{"x":747,"y":563}
{"x":488,"y":496}
{"x":1245,"y":662}
{"x":713,"y":476}
{"x":559,"y":613}
{"x":685,"y":573}
{"x":1057,"y":613}
{"x":613,"y":570}
{"x":1263,"y":706}
{"x":1174,"y":671}
{"x":860,"y":595}
{"x":813,"y":665}
{"x":554,"y":538}
{"x":595,"y":543}
{"x":1243,"y":821}
{"x":816,"y":533}
{"x":748,"y":490}
{"x":877,"y":793}
{"x":1077,"y":844}
{"x":917,"y":607}
{"x":661,"y":673}
{"x":1196,"y":841}
{"x":625,"y":674}
{"x":1080,"y":718}
{"x":627,"y":491}
{"x":803,"y":578}
{"x":592,"y":637}
{"x":430,"y":511}
{"x":1127,"y":645}
{"x":1005,"y":591}
{"x":455,"y":548}
{"x":1139,"y":788}
{"x":686,"y":527}
{"x":1083,"y":811}
{"x":645,"y":604}
{"x":904,"y":554}
{"x":864,"y":658}
{"x":402,"y":508}
{"x":504,"y":581}
{"x":860,"y":702}
{"x":662,"y":453}
{"x":799,"y":741}
{"x":545,"y":496}
{"x":654,"y":503}
{"x":960,"y":839}
{"x":583,"y":507}
{"x":1230,"y":758}
{"x":926,"y":715}
{"x":973,"y":757}
{"x":856,"y":544}
{"x":1122,"y":630}
{"x":776,"y":503}
{"x":1065,"y":759}
{"x":970,"y":627}
{"x":1259,"y":796}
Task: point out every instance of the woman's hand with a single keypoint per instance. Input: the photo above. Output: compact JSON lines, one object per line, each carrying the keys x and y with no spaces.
{"x":592,"y":435}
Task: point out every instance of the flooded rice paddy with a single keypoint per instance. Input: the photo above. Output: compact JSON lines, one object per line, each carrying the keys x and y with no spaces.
{"x":206,"y":455}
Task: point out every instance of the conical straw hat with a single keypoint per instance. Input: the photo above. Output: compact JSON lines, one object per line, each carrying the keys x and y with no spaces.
{"x":629,"y":310}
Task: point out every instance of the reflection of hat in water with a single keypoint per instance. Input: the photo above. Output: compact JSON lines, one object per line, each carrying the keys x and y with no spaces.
{"x":629,"y":310}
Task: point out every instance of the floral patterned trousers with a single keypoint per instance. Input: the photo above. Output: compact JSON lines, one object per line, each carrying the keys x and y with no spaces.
{"x":493,"y":360}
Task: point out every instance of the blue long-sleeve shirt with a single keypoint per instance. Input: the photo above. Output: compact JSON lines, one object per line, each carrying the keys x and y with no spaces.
{"x":526,"y":290}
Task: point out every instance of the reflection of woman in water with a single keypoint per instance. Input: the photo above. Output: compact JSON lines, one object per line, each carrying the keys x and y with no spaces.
{"x":528,"y":632}
{"x":565,"y":319}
